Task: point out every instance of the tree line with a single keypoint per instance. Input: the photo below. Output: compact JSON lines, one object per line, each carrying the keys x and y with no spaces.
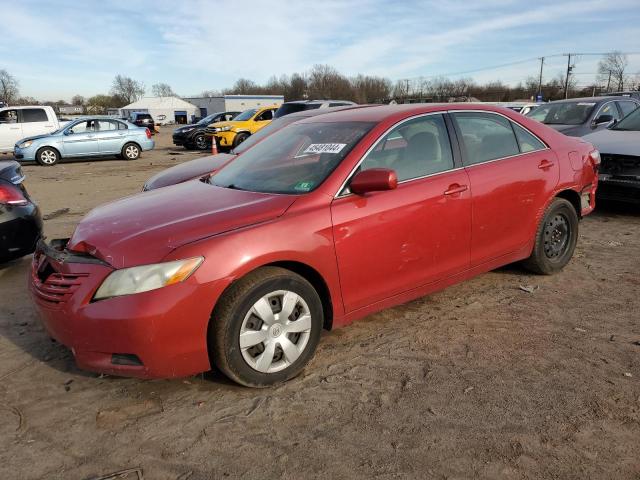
{"x":324,"y":81}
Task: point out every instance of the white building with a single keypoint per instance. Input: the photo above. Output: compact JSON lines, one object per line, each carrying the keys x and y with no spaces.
{"x":232,"y":103}
{"x":163,"y":109}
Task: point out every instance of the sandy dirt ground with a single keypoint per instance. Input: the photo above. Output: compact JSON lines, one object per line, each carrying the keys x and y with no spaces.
{"x":482,"y":380}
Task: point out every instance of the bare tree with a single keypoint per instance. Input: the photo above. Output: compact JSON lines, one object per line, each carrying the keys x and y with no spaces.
{"x":163,"y":90}
{"x":78,"y":100}
{"x":368,"y":89}
{"x":297,"y":89}
{"x":8,"y":87}
{"x":611,"y":70}
{"x":244,"y":86}
{"x":127,"y":88}
{"x":325,"y":81}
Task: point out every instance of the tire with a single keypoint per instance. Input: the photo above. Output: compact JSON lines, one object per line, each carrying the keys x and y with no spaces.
{"x":47,"y":156}
{"x":200,"y":142}
{"x":556,"y":239}
{"x":130,"y":151}
{"x":240,"y":137}
{"x":262,"y":361}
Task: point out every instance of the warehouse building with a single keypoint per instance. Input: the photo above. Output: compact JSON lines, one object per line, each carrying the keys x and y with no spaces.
{"x":232,"y":103}
{"x":163,"y":110}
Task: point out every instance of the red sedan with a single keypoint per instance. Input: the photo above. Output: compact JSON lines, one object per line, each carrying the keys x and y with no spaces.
{"x":325,"y":221}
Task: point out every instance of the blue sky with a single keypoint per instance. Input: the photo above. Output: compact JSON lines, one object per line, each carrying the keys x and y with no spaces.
{"x":59,"y":48}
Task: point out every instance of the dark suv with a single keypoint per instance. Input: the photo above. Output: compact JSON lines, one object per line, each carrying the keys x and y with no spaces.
{"x":143,"y":120}
{"x":300,"y":105}
{"x":193,"y":136}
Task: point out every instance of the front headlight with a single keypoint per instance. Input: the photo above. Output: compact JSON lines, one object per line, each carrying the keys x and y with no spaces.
{"x":187,"y":129}
{"x":26,"y":144}
{"x":132,"y":280}
{"x":226,"y":128}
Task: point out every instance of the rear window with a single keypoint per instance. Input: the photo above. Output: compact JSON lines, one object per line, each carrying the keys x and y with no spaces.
{"x":287,"y":108}
{"x":30,"y":115}
{"x":143,"y":116}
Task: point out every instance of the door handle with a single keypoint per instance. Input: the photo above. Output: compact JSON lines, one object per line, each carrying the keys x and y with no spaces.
{"x":545,"y":165}
{"x":455,"y":188}
{"x":14,"y":128}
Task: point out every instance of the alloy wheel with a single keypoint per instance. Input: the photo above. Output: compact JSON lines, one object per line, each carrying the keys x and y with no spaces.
{"x":201,"y":142}
{"x":131,"y":152}
{"x":48,"y":157}
{"x":275,"y":331}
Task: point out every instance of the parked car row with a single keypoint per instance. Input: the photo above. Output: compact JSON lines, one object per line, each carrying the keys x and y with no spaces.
{"x":612,"y":124}
{"x":309,"y":224}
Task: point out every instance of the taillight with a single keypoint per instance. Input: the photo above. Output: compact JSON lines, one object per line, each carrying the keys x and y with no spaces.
{"x":594,"y":157}
{"x":10,"y":195}
{"x":148,"y":132}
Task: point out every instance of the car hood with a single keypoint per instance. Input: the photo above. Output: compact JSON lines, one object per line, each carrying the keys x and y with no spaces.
{"x":615,"y":142}
{"x":187,"y":171}
{"x":35,"y":137}
{"x":230,"y":123}
{"x":191,"y":126}
{"x":145,"y":227}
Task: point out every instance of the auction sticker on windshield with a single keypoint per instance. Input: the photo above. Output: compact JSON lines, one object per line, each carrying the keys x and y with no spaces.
{"x":325,"y":148}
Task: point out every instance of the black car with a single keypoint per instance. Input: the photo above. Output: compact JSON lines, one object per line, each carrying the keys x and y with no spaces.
{"x":192,"y":137}
{"x":143,"y":120}
{"x":20,"y":221}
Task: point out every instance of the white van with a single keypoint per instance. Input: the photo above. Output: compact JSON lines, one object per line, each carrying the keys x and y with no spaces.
{"x":25,"y":121}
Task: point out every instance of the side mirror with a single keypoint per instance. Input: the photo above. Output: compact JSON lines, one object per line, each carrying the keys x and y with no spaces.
{"x":374,"y":180}
{"x":603,"y":119}
{"x":68,"y":132}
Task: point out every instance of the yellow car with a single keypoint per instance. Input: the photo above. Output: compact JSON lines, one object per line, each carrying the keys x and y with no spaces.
{"x":233,"y":133}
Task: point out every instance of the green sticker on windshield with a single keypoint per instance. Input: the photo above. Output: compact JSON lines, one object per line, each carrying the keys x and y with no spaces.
{"x":303,"y":186}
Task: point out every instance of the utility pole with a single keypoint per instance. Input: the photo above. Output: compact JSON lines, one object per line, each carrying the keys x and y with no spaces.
{"x":566,"y":82}
{"x":540,"y":79}
{"x":609,"y":81}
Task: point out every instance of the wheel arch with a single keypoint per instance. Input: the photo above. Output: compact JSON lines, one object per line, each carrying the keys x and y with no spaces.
{"x":51,"y":147}
{"x":573,"y":197}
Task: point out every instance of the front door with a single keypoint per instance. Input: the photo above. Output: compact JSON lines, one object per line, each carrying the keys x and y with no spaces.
{"x":393,"y":241}
{"x":80,"y":139}
{"x":10,"y":129}
{"x":512,"y":174}
{"x":262,"y":120}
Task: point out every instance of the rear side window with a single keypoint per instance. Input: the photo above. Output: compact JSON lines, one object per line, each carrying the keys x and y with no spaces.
{"x":414,"y":149}
{"x":122,"y":126}
{"x":106,"y":125}
{"x":526,"y":141}
{"x":486,"y":136}
{"x":627,"y":107}
{"x":30,"y":115}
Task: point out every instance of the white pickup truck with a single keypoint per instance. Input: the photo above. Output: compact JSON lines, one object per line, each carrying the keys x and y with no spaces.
{"x":25,"y":121}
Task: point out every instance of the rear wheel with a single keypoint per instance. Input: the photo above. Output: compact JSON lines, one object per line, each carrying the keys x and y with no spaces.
{"x":130,"y":151}
{"x":47,"y":156}
{"x":556,"y":239}
{"x":240,"y":137}
{"x":266,"y":327}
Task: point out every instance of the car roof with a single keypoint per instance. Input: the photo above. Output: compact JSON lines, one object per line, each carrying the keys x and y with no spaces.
{"x":587,"y":99}
{"x":378,"y":113}
{"x":316,"y":101}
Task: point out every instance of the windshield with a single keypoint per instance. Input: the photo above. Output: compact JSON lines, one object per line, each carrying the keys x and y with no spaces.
{"x":630,"y":122}
{"x":246,"y":115}
{"x":294,"y":160}
{"x":263,"y":133}
{"x":207,"y":120}
{"x":564,"y":113}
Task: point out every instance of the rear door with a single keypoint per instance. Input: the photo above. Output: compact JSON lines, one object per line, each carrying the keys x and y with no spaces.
{"x":512,"y":175}
{"x":110,"y":138}
{"x":10,"y":129}
{"x":35,"y":121}
{"x":393,"y":241}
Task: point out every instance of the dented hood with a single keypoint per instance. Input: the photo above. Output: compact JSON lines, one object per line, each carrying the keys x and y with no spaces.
{"x":144,"y":228}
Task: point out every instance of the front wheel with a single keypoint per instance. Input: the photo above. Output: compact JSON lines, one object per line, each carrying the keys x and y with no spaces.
{"x":200,"y":142}
{"x":240,"y":137}
{"x":556,"y":239}
{"x":266,"y":327}
{"x":131,"y":151}
{"x":47,"y":156}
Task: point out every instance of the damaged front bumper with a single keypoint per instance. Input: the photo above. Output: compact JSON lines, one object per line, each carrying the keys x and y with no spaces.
{"x":146,"y":335}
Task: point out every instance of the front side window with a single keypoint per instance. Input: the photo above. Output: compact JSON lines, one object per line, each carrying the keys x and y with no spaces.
{"x":9,"y":116}
{"x":609,"y":109}
{"x":83,"y":127}
{"x":413,"y":149}
{"x":486,"y":136}
{"x":294,"y":160}
{"x":264,"y":116}
{"x":30,"y":115}
{"x":526,"y":141}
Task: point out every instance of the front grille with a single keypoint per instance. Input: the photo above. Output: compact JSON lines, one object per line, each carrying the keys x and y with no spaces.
{"x":53,"y":287}
{"x":623,"y":165}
